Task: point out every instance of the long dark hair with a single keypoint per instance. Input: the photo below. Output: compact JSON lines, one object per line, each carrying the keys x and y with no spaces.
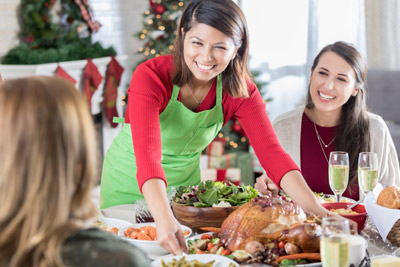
{"x":225,"y":16}
{"x":353,"y":134}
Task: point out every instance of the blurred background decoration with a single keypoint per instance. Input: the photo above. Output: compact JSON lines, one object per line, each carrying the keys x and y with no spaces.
{"x":55,"y":31}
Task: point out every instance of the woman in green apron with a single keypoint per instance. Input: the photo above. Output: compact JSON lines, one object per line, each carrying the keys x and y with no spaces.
{"x":176,"y":106}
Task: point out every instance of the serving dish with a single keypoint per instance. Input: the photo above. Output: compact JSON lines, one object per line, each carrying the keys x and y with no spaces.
{"x":152,"y":248}
{"x":359,"y":218}
{"x":111,"y":225}
{"x":219,"y":261}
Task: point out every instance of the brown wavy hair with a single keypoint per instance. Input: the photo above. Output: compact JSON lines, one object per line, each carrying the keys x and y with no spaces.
{"x":353,"y":134}
{"x":226,"y":17}
{"x":48,"y":165}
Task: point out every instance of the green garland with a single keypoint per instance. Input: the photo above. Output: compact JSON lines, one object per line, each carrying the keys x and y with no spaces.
{"x":44,"y":41}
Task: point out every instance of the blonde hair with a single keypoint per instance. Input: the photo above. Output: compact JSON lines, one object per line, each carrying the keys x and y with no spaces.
{"x":48,"y":165}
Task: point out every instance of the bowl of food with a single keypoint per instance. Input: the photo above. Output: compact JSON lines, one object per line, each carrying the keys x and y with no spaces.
{"x":210,"y":203}
{"x":357,"y":213}
{"x":111,"y":225}
{"x":144,"y":236}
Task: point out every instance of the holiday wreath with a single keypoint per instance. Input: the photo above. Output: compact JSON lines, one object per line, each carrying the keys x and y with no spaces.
{"x":55,"y":31}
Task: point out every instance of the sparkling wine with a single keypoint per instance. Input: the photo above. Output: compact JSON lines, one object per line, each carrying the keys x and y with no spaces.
{"x":368,"y":178}
{"x":335,"y":251}
{"x":338,"y":178}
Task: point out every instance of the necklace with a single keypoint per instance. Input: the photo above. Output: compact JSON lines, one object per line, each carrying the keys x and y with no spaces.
{"x":320,"y":141}
{"x":195,"y":99}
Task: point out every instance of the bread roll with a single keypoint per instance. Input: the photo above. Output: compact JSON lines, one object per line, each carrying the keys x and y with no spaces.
{"x":389,"y":197}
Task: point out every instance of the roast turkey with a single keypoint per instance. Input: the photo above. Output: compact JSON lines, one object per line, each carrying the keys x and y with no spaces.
{"x":269,"y":218}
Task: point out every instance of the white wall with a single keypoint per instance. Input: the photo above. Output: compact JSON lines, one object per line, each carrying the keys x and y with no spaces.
{"x":9,"y":26}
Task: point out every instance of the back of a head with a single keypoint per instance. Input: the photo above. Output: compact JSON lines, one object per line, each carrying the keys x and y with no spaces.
{"x":47,"y":167}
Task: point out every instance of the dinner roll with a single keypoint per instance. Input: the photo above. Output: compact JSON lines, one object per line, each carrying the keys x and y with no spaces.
{"x":389,"y":197}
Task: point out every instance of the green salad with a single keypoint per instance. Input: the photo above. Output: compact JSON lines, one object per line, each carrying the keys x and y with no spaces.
{"x":209,"y":193}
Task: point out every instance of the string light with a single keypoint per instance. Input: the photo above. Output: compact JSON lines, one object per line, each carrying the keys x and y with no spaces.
{"x":142,"y":36}
{"x":243,"y":139}
{"x":158,"y":16}
{"x":147,"y":12}
{"x":227,"y":138}
{"x":144,"y":31}
{"x":180,"y":4}
{"x":146,"y":53}
{"x":140,"y":49}
{"x":153,"y":51}
{"x":170,"y":47}
{"x":161,"y":28}
{"x":220,"y":135}
{"x":150,"y":21}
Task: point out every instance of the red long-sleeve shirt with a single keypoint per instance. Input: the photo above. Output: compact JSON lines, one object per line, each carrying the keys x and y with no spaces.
{"x":149,"y":93}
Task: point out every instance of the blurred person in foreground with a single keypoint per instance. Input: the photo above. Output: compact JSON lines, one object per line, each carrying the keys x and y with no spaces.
{"x":48,"y":163}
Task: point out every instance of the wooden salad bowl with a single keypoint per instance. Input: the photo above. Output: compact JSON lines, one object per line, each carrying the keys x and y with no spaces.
{"x":201,"y":217}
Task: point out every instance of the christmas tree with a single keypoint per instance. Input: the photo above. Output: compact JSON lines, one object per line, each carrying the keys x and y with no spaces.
{"x":55,"y":31}
{"x":159,"y":27}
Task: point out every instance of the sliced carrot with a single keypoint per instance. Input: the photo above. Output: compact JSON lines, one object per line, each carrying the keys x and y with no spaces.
{"x":211,"y":229}
{"x":153,"y":233}
{"x":186,"y":233}
{"x":143,"y":236}
{"x":304,"y":256}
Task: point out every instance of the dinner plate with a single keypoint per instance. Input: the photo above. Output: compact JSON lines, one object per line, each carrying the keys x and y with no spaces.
{"x":108,"y":223}
{"x":313,"y":264}
{"x":342,"y":199}
{"x":220,"y":261}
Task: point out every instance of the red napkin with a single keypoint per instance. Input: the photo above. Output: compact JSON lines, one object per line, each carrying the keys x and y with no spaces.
{"x":113,"y":78}
{"x":60,"y":72}
{"x":91,"y":80}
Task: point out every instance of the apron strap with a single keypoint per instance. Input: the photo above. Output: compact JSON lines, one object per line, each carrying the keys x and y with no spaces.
{"x":118,"y":120}
{"x":219,"y":90}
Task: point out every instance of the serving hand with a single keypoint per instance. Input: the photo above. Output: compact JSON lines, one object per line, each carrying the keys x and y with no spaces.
{"x":170,"y":236}
{"x":266,"y":186}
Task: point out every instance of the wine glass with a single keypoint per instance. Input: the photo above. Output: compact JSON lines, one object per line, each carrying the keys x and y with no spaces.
{"x":334,"y":242}
{"x":367,"y":171}
{"x":338,"y":172}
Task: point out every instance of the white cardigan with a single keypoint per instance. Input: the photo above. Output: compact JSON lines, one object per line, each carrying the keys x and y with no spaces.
{"x":288,"y":128}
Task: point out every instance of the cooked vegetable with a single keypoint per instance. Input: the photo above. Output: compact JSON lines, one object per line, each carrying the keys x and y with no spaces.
{"x":304,"y":256}
{"x":211,"y":229}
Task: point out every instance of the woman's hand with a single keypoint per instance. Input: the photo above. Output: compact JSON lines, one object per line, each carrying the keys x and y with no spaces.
{"x":170,"y":236}
{"x":169,"y":231}
{"x":353,"y":225}
{"x":266,"y":186}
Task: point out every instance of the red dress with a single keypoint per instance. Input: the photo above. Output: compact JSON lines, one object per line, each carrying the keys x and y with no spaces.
{"x":314,"y":165}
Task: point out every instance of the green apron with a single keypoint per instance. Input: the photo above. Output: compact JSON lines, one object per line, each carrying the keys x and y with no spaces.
{"x":184,"y":135}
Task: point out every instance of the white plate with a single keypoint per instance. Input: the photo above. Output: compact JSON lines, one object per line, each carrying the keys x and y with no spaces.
{"x":314,"y":264}
{"x":152,"y":248}
{"x":220,"y":261}
{"x":111,"y":222}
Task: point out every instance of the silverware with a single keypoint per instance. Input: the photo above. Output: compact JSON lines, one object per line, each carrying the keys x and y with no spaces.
{"x":355,"y":204}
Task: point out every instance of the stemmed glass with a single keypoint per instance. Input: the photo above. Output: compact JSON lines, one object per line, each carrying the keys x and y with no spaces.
{"x":367,"y":171}
{"x":338,"y":172}
{"x":334,"y":242}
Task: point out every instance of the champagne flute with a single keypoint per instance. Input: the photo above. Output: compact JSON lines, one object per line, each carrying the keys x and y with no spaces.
{"x":367,"y":171}
{"x":334,"y":242}
{"x":338,"y":172}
